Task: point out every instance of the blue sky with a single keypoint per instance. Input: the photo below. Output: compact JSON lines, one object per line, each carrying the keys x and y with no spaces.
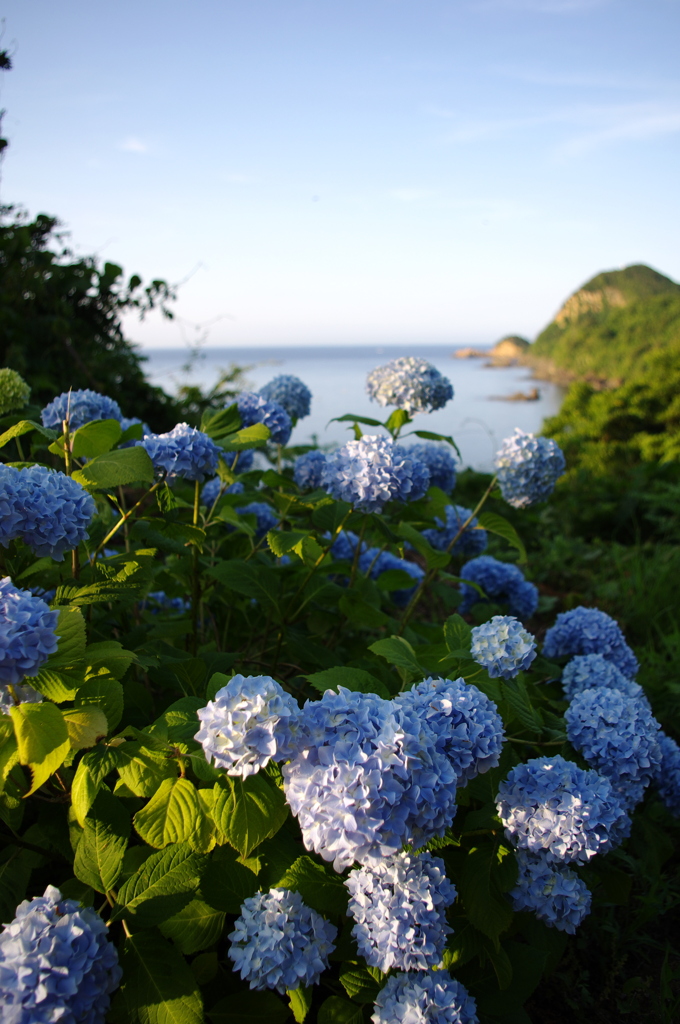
{"x":348,"y":171}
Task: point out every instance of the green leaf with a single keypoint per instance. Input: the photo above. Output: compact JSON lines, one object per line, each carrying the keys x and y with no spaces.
{"x":457,"y":633}
{"x":514,"y":691}
{"x":329,"y":516}
{"x":247,"y":437}
{"x":339,"y":1011}
{"x":15,"y":872}
{"x":116,"y":469}
{"x":247,"y":1007}
{"x":427,"y":435}
{"x":72,"y":639}
{"x":282,"y":541}
{"x":220,"y":424}
{"x":483,"y":900}
{"x":164,"y":884}
{"x":96,"y":438}
{"x":105,"y":693}
{"x":226,"y":883}
{"x":396,"y":420}
{"x":256,"y":581}
{"x":359,"y":982}
{"x":433,"y":559}
{"x":25,"y":427}
{"x":300,"y":1002}
{"x":99,"y":857}
{"x":309,"y":551}
{"x":248,"y":811}
{"x":395,"y":579}
{"x":360,"y":612}
{"x":158,"y":986}
{"x":111,"y":655}
{"x":57,"y":686}
{"x":42,"y":739}
{"x":399,"y":652}
{"x":143,"y":770}
{"x":86,"y":726}
{"x":195,"y":927}
{"x":172,"y":814}
{"x":320,"y":888}
{"x":180,"y":718}
{"x":90,"y":774}
{"x":355,"y":679}
{"x":351,"y":418}
{"x":494,"y":523}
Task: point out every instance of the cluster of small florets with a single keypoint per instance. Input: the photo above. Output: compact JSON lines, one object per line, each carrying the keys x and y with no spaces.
{"x":240,"y":462}
{"x":409,"y":383}
{"x":439,"y":461}
{"x":81,"y":407}
{"x":618,"y":736}
{"x":590,"y":631}
{"x":502,"y":582}
{"x":667,"y":776}
{"x":399,"y":909}
{"x":472,"y":540}
{"x":254,"y":408}
{"x":48,"y":510}
{"x":367,"y":778}
{"x":593,"y":671}
{"x":14,"y":391}
{"x":27,"y":633}
{"x":555,"y":809}
{"x":465,"y":723}
{"x":372,"y":471}
{"x":215,"y":488}
{"x":280,"y":943}
{"x":251,"y":721}
{"x":554,"y":893}
{"x":182,"y":452}
{"x":308,"y":470}
{"x":503,"y":647}
{"x":56,"y":963}
{"x":424,"y":997}
{"x":528,"y":468}
{"x":290,"y":392}
{"x":265,"y":517}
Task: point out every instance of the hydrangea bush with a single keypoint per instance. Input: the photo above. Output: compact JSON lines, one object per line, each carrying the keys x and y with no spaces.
{"x":257,"y":758}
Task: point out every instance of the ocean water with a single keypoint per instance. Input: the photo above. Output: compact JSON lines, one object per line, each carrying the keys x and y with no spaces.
{"x":477,"y":417}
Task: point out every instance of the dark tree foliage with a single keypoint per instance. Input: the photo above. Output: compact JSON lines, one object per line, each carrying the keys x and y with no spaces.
{"x":60,"y":320}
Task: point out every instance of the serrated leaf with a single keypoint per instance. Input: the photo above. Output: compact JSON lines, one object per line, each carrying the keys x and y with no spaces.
{"x":247,"y":1007}
{"x":433,"y":559}
{"x":96,"y":438}
{"x":180,"y":718}
{"x":360,"y":612}
{"x":457,"y":634}
{"x":300,"y":1002}
{"x":485,"y":905}
{"x":58,"y":686}
{"x":494,"y":523}
{"x":359,"y":983}
{"x":42,"y":739}
{"x":72,"y":639}
{"x":336,"y":1010}
{"x":355,"y":679}
{"x":105,"y":693}
{"x":25,"y":427}
{"x":165,"y":883}
{"x":171,"y":815}
{"x":86,"y":726}
{"x":226,"y":883}
{"x":256,"y":581}
{"x":99,"y":857}
{"x":195,"y":927}
{"x":282,"y":541}
{"x":248,"y":811}
{"x":158,"y":986}
{"x":309,"y":551}
{"x":248,"y":437}
{"x":220,"y":424}
{"x":320,"y":888}
{"x":399,"y":652}
{"x":111,"y":655}
{"x":116,"y":469}
{"x":517,"y":697}
{"x":143,"y":770}
{"x":90,"y":774}
{"x":15,"y":872}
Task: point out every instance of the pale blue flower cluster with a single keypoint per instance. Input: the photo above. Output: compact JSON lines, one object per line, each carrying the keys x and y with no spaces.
{"x":211,"y":490}
{"x":667,"y":776}
{"x":424,"y":997}
{"x":590,"y":631}
{"x":555,"y":809}
{"x":56,"y":964}
{"x":528,"y":468}
{"x":251,"y":721}
{"x":367,"y":778}
{"x":503,"y":647}
{"x":279,"y":942}
{"x":439,"y":461}
{"x":27,"y":633}
{"x":18,"y":695}
{"x":290,"y":392}
{"x":48,"y":510}
{"x":372,"y":471}
{"x":399,"y":908}
{"x":254,"y":408}
{"x":266,"y":519}
{"x":182,"y":452}
{"x":471,"y":542}
{"x":345,"y":545}
{"x":502,"y":582}
{"x":587,"y":671}
{"x":308,"y":470}
{"x":618,"y":736}
{"x":411,"y":384}
{"x":553,"y":892}
{"x":82,"y":407}
{"x":240,"y":462}
{"x":464,"y":721}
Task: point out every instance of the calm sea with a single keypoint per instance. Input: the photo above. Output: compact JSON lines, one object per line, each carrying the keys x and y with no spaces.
{"x":477,"y":417}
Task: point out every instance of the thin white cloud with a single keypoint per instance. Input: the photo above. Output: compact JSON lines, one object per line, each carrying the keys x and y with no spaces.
{"x":650,"y":125}
{"x":133,"y":145}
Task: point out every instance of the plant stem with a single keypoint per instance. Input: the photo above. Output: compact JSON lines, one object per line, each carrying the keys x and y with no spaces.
{"x":124,"y":518}
{"x":195,"y":583}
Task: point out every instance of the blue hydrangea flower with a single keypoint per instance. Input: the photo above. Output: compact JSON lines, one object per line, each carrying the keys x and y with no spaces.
{"x":367,"y":779}
{"x":345,"y":545}
{"x":502,"y":582}
{"x":464,"y":721}
{"x":9,"y":698}
{"x":590,"y":631}
{"x":554,"y":893}
{"x":588,"y":671}
{"x":471,"y":542}
{"x":12,"y":498}
{"x":409,"y":383}
{"x":528,"y":468}
{"x":618,"y":736}
{"x":82,"y":406}
{"x":56,"y":963}
{"x":182,"y":451}
{"x":257,"y":409}
{"x":424,"y":997}
{"x":372,"y":471}
{"x":399,"y":908}
{"x":280,"y":943}
{"x":552,"y":807}
{"x":240,"y":462}
{"x":165,"y":603}
{"x":27,"y":633}
{"x":264,"y":514}
{"x":439,"y":461}
{"x":56,"y":511}
{"x":375,"y":562}
{"x":212,"y":489}
{"x":131,"y":421}
{"x":251,"y":721}
{"x":308,"y":470}
{"x":667,"y":775}
{"x":290,"y":392}
{"x":503,"y":647}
